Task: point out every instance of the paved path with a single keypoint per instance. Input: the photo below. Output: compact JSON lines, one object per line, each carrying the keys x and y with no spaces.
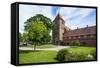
{"x":56,"y":48}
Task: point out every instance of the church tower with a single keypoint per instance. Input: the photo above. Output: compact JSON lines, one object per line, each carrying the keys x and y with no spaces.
{"x":58,"y":30}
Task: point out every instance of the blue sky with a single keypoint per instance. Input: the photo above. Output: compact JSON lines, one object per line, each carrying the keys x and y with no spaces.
{"x":74,"y":17}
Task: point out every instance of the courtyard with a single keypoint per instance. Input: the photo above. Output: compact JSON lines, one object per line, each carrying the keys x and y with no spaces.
{"x":46,"y":55}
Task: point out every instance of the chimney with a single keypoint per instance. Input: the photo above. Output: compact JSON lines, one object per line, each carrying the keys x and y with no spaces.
{"x":87,"y":26}
{"x":77,"y":27}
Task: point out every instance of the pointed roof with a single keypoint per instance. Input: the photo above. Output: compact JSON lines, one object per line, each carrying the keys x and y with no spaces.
{"x":59,"y":17}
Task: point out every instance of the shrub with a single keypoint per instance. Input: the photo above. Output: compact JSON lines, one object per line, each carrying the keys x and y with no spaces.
{"x":76,"y":43}
{"x":61,"y":54}
{"x":76,"y":56}
{"x":93,"y":53}
{"x":68,"y":55}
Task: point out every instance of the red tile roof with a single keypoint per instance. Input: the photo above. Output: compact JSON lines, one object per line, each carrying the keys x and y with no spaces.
{"x":81,"y":31}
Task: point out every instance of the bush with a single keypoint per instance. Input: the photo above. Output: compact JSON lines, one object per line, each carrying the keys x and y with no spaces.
{"x":93,"y":53}
{"x":68,"y":55}
{"x":61,"y":54}
{"x":76,"y":57}
{"x":76,"y":43}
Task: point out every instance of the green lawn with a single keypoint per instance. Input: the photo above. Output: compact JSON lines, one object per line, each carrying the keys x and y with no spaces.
{"x":48,"y":55}
{"x":37,"y":56}
{"x":43,"y":46}
{"x":82,"y":49}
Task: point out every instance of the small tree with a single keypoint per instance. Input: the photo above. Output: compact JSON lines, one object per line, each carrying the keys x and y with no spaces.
{"x":25,"y":38}
{"x":36,"y":32}
{"x":20,"y":37}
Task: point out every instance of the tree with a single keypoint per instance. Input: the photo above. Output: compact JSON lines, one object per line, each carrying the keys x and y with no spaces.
{"x":20,"y":37}
{"x":36,"y":32}
{"x":46,"y":38}
{"x":46,"y":22}
{"x":25,"y":38}
{"x":39,"y":17}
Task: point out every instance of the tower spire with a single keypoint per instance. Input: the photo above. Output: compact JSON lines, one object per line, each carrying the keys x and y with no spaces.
{"x":58,"y":11}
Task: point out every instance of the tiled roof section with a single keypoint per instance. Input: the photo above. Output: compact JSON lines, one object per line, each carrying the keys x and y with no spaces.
{"x":67,"y":28}
{"x":82,"y":31}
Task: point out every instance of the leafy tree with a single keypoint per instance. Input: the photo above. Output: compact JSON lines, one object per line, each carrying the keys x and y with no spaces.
{"x":46,"y":38}
{"x":36,"y":32}
{"x":39,"y":17}
{"x":46,"y":22}
{"x":25,"y":37}
{"x":20,"y":37}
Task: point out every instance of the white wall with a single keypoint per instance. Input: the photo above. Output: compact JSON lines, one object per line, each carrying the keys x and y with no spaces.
{"x":5,"y":34}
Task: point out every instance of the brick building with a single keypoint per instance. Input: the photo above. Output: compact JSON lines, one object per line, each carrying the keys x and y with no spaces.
{"x":63,"y":35}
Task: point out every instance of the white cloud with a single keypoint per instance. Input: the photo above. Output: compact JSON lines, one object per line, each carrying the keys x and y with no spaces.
{"x":74,"y":17}
{"x":27,"y":11}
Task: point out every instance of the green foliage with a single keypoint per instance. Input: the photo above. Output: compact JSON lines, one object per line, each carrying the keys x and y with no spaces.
{"x":36,"y":32}
{"x":25,"y":37}
{"x":61,"y":55}
{"x":76,"y":43}
{"x":46,"y":38}
{"x":39,"y":17}
{"x":76,"y":54}
{"x":93,"y":53}
{"x":20,"y":37}
{"x":38,"y":29}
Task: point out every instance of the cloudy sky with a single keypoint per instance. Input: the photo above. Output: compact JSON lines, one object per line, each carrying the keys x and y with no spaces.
{"x":74,"y":17}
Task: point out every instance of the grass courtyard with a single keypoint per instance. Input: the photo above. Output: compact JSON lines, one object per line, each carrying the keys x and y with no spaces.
{"x":82,"y":49}
{"x":36,"y":56}
{"x":40,"y":56}
{"x":43,"y":46}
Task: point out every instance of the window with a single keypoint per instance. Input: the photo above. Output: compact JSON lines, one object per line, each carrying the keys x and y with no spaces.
{"x":81,"y":36}
{"x":88,"y":36}
{"x":92,"y":36}
{"x":69,"y":37}
{"x":67,"y":43}
{"x":74,"y":37}
{"x":85,"y":36}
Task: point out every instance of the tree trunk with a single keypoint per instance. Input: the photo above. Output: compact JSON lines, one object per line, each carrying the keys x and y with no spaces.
{"x":34,"y":47}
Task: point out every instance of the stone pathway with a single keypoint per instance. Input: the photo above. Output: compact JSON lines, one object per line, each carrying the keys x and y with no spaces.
{"x":56,"y":48}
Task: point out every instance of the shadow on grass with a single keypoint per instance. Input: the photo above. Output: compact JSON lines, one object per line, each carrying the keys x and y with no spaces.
{"x":27,"y":51}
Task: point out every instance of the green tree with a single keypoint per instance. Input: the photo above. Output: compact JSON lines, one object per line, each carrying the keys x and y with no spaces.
{"x":39,"y":17}
{"x":46,"y":22}
{"x":36,"y":32}
{"x":46,"y":38}
{"x":20,"y":37}
{"x":25,"y":37}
